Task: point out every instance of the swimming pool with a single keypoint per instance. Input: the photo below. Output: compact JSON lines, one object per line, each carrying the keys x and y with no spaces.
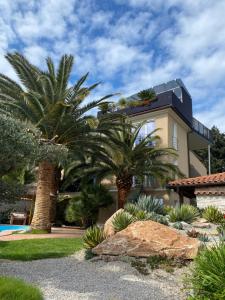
{"x":13,"y":227}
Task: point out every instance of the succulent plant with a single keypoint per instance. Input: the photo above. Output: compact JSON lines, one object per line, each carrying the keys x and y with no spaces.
{"x":186,"y":213}
{"x":212,"y":214}
{"x":93,"y":236}
{"x":122,"y":220}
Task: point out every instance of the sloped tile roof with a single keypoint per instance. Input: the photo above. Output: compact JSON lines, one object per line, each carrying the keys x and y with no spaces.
{"x":206,"y":192}
{"x":218,"y":178}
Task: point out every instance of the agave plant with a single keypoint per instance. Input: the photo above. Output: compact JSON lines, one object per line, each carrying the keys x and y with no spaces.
{"x":186,"y":213}
{"x":212,"y":214}
{"x":122,"y":220}
{"x":150,"y":204}
{"x":93,"y":236}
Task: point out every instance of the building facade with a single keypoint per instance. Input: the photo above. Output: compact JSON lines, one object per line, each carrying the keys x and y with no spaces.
{"x":171,"y":113}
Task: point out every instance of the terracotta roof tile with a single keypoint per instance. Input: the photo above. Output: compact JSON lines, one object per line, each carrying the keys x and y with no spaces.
{"x":200,"y":180}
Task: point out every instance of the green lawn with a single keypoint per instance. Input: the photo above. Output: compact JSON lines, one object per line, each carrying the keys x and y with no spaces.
{"x":39,"y":248}
{"x":16,"y":289}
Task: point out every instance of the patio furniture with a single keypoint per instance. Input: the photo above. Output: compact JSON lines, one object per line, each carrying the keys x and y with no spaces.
{"x":18,"y":218}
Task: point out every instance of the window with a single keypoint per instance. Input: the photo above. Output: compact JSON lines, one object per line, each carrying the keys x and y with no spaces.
{"x":174,"y":137}
{"x":145,"y":130}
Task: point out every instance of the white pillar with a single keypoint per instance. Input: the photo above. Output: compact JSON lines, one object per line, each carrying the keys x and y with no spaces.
{"x":209,"y":159}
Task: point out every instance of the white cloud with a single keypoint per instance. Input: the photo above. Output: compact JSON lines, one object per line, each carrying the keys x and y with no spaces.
{"x":135,"y":45}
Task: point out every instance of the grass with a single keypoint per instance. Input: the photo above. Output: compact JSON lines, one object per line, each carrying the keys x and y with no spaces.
{"x":16,"y":289}
{"x":39,"y":248}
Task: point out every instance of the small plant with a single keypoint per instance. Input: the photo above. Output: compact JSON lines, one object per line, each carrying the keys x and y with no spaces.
{"x":147,"y":94}
{"x":221,"y":232}
{"x":140,"y":267}
{"x":150,"y":204}
{"x":167,"y":209}
{"x":186,"y":213}
{"x":160,"y":219}
{"x":131,"y":208}
{"x":178,"y":225}
{"x":206,"y":279}
{"x":89,"y":254}
{"x":93,"y":236}
{"x":212,"y":214}
{"x":155,"y":261}
{"x":122,"y":220}
{"x":203,"y":237}
{"x":193,"y":233}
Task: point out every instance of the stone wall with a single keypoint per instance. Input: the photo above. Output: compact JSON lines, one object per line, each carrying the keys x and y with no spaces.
{"x":207,"y":200}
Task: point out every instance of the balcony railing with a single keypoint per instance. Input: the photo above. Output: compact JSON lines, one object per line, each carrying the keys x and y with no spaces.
{"x":201,"y":129}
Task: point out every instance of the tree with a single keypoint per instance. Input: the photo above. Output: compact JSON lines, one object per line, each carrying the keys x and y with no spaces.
{"x":17,"y":143}
{"x":125,"y":157}
{"x":46,"y":100}
{"x":217,"y":152}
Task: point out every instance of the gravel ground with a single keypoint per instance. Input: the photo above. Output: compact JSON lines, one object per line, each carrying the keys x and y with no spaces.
{"x":74,"y":278}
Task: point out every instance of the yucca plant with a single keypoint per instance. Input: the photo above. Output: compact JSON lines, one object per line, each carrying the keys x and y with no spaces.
{"x":93,"y":236}
{"x":150,"y":204}
{"x":206,"y":279}
{"x":122,"y":220}
{"x":212,"y":214}
{"x":186,"y":213}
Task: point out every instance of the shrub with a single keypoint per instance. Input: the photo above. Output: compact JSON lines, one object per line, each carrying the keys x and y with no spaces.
{"x":122,"y":220}
{"x":186,"y":213}
{"x":150,"y":204}
{"x":85,"y":207}
{"x":207,"y":274}
{"x":93,"y":236}
{"x":212,"y":214}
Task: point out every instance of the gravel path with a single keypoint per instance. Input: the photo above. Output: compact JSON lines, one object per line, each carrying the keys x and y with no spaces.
{"x":73,"y":278}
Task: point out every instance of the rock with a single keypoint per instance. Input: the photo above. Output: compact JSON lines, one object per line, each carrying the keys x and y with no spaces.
{"x":148,"y":238}
{"x":186,"y":226}
{"x":202,"y":220}
{"x":201,"y":225}
{"x":108,"y":227}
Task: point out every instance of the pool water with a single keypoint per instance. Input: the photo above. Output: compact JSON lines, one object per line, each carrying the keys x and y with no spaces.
{"x":13,"y":227}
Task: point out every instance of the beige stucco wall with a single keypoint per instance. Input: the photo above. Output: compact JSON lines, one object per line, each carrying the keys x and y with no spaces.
{"x":196,"y":166}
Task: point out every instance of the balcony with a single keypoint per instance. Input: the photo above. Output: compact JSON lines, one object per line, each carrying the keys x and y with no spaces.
{"x":200,"y":136}
{"x":201,"y":129}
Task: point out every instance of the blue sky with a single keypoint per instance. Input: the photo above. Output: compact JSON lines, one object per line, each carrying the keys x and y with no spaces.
{"x":127,"y":44}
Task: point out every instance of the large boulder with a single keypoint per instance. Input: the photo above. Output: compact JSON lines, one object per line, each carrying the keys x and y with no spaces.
{"x":108,"y":227}
{"x":148,"y":238}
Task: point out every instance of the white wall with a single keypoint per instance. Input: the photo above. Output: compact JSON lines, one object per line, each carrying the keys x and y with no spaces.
{"x":205,"y":200}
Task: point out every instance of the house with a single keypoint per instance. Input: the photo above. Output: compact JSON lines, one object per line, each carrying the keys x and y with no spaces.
{"x":204,"y":190}
{"x":172,"y":113}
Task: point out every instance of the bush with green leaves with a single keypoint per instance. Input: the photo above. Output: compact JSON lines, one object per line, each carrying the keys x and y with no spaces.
{"x":150,"y":204}
{"x":212,"y":214}
{"x":185,"y":212}
{"x":206,"y":279}
{"x":93,"y":236}
{"x":122,"y":220}
{"x":85,"y":207}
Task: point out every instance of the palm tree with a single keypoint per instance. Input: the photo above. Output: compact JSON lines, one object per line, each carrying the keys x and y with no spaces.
{"x":126,"y":156}
{"x":57,"y":109}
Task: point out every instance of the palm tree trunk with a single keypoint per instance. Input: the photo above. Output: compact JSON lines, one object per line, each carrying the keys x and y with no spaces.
{"x":41,"y":218}
{"x":124,"y":185}
{"x":54,"y":192}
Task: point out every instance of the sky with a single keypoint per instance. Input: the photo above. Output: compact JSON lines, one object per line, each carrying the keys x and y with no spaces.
{"x":128,"y":45}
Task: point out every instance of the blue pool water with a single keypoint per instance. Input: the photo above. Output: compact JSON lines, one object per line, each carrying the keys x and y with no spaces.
{"x":13,"y":227}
